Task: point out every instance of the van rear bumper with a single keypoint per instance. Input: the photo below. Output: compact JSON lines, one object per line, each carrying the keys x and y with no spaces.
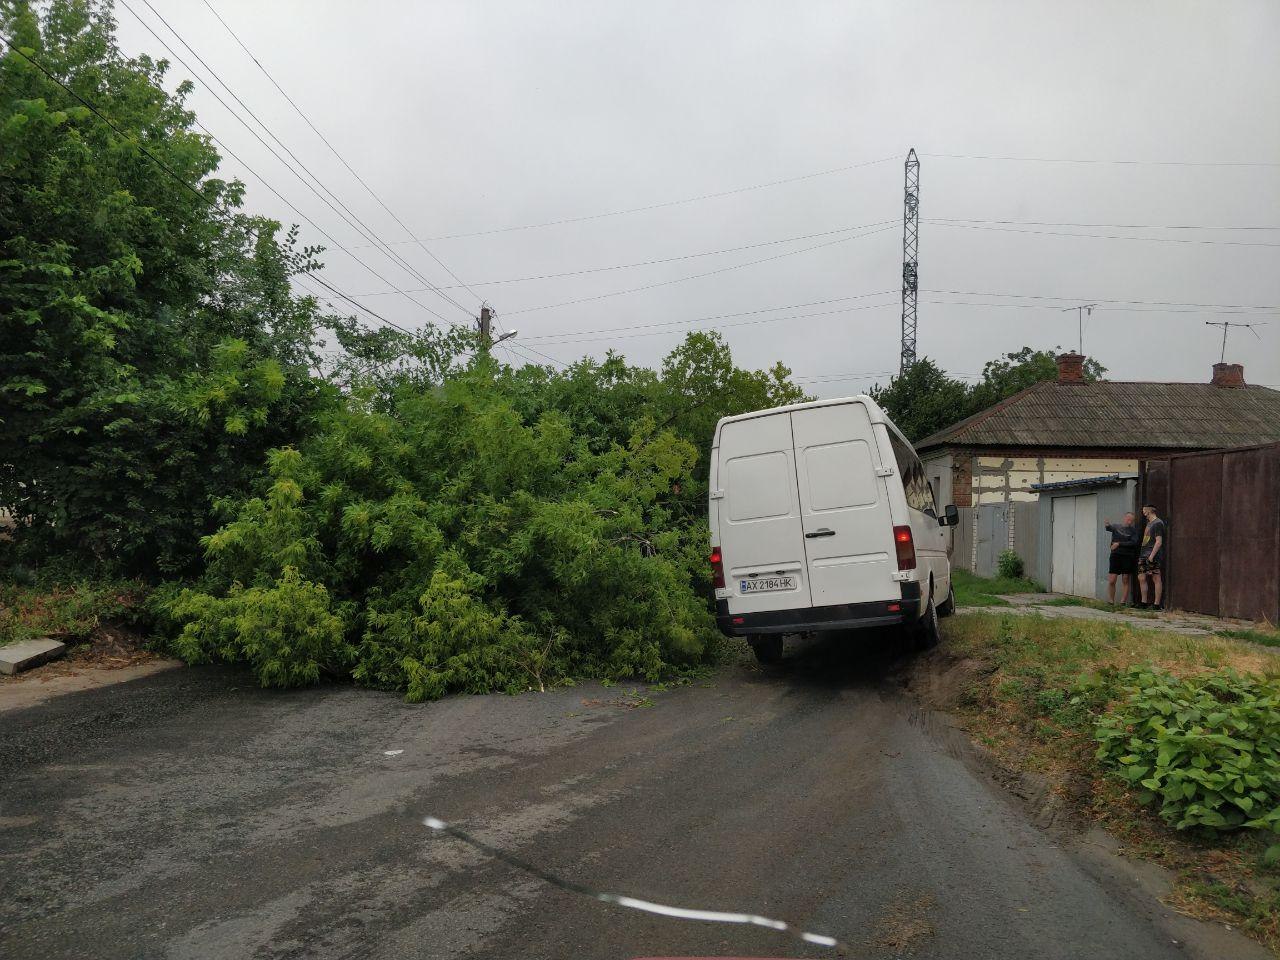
{"x":841,"y":616}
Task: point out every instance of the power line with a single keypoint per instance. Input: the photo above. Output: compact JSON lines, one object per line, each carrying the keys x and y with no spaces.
{"x":167,"y":169}
{"x":698,"y":276}
{"x":341,"y":158}
{"x":319,"y":229}
{"x":1110,"y":226}
{"x":1151,"y":303}
{"x":649,"y":263}
{"x":663,"y":204}
{"x":716,"y":316}
{"x":345,"y":213}
{"x":1155,"y":163}
{"x":726,"y":326}
{"x":1114,"y":309}
{"x":1104,"y":236}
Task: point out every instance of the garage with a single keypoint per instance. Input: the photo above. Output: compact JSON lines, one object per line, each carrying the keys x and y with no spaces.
{"x":1074,"y":546}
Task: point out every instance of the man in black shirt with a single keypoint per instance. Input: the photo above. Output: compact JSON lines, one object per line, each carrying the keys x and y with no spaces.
{"x":1124,"y":557}
{"x":1151,"y":558}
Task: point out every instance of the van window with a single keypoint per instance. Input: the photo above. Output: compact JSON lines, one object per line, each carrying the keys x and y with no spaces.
{"x":840,"y":475}
{"x":758,"y":486}
{"x":911,"y":470}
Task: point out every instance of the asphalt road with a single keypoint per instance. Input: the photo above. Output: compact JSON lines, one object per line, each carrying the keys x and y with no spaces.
{"x":193,"y":815}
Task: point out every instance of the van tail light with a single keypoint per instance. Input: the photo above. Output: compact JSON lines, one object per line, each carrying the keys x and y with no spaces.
{"x":905,"y":547}
{"x":717,"y":568}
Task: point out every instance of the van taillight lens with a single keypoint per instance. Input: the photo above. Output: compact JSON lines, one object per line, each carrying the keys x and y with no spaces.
{"x":717,"y":568}
{"x":906,"y":548}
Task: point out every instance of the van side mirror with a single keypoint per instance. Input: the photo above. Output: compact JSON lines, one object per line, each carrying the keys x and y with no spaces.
{"x":950,"y":515}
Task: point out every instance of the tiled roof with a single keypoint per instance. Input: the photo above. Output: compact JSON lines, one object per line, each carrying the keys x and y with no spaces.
{"x":1176,"y":416}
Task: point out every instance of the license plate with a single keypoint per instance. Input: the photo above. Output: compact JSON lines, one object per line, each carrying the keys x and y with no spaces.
{"x":767,"y":584}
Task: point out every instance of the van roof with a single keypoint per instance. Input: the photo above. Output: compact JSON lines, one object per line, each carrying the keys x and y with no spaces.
{"x":873,"y":410}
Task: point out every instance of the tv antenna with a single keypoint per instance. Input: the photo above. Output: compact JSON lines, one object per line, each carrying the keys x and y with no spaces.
{"x":1226,"y":326}
{"x":1085,"y":309}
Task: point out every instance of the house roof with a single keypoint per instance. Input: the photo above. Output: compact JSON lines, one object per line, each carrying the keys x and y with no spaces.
{"x":1103,"y":413}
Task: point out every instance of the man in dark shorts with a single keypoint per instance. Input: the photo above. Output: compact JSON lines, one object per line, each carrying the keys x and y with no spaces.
{"x":1151,"y":558}
{"x":1124,"y":557}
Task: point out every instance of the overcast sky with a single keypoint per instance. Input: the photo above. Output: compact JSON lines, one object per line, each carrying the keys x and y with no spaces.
{"x":479,"y":115}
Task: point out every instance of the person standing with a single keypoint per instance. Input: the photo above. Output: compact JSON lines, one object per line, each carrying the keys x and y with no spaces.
{"x":1124,"y":557}
{"x":1151,"y":559}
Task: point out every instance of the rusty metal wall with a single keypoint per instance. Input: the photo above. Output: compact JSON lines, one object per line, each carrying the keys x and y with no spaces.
{"x":1223,"y":513}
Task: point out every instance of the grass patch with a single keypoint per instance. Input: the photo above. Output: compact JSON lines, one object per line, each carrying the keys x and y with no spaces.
{"x":1098,"y":605}
{"x":1036,"y":704}
{"x":975,"y":591}
{"x":1268,"y":638}
{"x":67,"y":611}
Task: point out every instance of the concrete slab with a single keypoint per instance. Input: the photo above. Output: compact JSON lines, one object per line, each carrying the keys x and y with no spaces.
{"x":28,"y":654}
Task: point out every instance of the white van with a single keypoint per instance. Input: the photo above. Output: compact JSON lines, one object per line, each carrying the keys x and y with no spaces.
{"x":821,"y":519}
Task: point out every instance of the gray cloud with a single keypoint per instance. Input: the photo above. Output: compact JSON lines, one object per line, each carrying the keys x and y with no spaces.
{"x":468,"y":116}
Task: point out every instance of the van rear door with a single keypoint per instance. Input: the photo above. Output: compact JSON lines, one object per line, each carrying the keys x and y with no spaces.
{"x":760,"y":529}
{"x":848,"y":529}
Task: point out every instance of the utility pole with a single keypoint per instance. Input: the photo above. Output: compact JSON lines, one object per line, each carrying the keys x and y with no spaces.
{"x":1081,"y":311}
{"x":486,"y":329}
{"x":910,"y":253}
{"x":1226,"y":326}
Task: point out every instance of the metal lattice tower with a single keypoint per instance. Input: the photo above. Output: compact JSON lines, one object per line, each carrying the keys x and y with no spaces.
{"x":910,"y":250}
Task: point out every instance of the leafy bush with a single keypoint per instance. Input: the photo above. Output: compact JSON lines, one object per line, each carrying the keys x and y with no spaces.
{"x":503,"y":530}
{"x":1010,"y":565}
{"x":1206,"y":749}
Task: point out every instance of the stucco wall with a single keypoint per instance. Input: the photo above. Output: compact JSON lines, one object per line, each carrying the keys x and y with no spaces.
{"x":1008,"y":479}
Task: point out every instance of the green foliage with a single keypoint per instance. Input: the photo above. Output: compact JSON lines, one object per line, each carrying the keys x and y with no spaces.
{"x":1010,"y":565}
{"x":151,"y":349}
{"x":924,"y":400}
{"x":287,"y":632}
{"x":66,"y":611}
{"x":507,"y":530}
{"x":1204,"y":750}
{"x":975,"y":591}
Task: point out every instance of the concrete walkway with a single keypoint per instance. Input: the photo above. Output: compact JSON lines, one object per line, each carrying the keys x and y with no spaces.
{"x":1190,"y":624}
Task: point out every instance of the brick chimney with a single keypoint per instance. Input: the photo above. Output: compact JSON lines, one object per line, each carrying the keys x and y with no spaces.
{"x":1228,"y":375}
{"x":1071,"y":368}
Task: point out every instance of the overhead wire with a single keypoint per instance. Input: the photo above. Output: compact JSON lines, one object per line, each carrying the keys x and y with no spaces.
{"x":715,"y":316}
{"x":649,"y":263}
{"x":1084,"y":160}
{"x":161,"y":165}
{"x":1160,"y":303}
{"x":697,"y":276}
{"x":341,"y":209}
{"x":359,"y":224}
{"x":1111,"y":226}
{"x":343,"y":160}
{"x":663,"y":204}
{"x":1100,"y":236}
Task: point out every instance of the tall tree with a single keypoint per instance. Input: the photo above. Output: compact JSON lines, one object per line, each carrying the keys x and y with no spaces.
{"x":1011,"y":372}
{"x":151,"y":349}
{"x":923,"y":400}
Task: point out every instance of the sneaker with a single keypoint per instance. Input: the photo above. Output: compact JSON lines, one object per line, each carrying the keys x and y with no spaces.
{"x":1139,"y":605}
{"x":1157,"y":606}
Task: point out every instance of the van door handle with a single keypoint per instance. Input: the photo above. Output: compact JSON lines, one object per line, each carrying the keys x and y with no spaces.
{"x":824,"y":532}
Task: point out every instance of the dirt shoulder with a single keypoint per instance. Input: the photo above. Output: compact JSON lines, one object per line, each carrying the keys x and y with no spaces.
{"x":1009,"y":679}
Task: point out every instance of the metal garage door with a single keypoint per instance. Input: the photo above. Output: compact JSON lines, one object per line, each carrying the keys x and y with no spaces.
{"x":1075,"y":545}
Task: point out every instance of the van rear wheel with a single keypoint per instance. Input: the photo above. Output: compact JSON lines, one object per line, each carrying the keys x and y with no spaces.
{"x":949,"y":605}
{"x":768,"y":650}
{"x":927,"y":632}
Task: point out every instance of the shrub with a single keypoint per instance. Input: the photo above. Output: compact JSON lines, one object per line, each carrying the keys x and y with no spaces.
{"x":1205,"y":750}
{"x":1010,"y":565}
